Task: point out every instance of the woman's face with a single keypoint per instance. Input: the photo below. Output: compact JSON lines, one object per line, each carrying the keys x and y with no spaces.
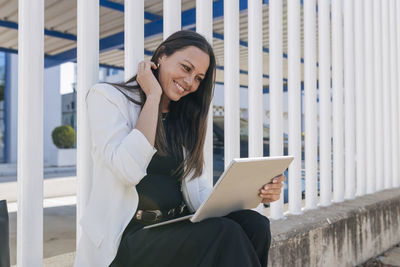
{"x":182,"y":72}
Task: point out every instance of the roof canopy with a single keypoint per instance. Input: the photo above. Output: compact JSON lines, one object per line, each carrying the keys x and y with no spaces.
{"x":61,"y":29}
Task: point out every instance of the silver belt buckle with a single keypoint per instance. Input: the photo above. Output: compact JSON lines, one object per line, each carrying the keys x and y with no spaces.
{"x":139,"y":215}
{"x":148,"y":215}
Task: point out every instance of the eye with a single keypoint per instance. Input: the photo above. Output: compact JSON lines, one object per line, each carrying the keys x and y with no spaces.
{"x":186,"y":67}
{"x":199,"y":79}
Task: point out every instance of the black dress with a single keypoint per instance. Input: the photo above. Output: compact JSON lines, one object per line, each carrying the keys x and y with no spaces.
{"x":239,"y":239}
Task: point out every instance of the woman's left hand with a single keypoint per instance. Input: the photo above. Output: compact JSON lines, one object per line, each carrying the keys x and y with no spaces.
{"x":272,"y":191}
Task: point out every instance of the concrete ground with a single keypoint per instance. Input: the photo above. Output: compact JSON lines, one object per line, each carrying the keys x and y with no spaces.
{"x":390,"y":258}
{"x":59,"y":231}
{"x":59,"y":214}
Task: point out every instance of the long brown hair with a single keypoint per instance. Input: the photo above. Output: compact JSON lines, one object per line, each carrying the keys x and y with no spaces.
{"x":187,"y":118}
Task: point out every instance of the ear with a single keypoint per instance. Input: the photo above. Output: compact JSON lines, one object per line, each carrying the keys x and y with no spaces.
{"x":161,"y":59}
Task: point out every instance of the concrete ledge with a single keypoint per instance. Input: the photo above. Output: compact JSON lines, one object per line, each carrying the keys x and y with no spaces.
{"x":344,"y":234}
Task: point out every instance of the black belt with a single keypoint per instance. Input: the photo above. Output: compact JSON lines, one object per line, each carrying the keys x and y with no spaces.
{"x":155,"y":216}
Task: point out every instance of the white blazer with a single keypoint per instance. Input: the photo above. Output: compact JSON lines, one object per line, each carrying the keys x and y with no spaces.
{"x":120,"y":156}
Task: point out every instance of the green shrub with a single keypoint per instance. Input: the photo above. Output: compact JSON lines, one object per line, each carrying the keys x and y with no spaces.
{"x":64,"y":136}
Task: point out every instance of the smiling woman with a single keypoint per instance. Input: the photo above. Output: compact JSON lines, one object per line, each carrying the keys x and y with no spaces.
{"x":148,"y":138}
{"x":181,"y":73}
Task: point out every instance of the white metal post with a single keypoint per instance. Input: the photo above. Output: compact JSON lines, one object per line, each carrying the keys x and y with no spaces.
{"x":398,"y":68}
{"x":387,"y":118}
{"x":30,"y":133}
{"x":255,"y":79}
{"x":134,"y":36}
{"x":204,"y":26}
{"x":378,"y":94}
{"x":394,"y":93}
{"x":255,"y":102}
{"x":310,"y":96}
{"x":337,"y":101}
{"x":294,"y":106}
{"x":350,"y":172}
{"x":276,"y":92}
{"x":231,"y":84}
{"x":87,"y":76}
{"x":325,"y":102}
{"x":359,"y":97}
{"x":172,"y":17}
{"x":369,"y":87}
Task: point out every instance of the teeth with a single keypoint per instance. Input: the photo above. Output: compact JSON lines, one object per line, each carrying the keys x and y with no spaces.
{"x":180,"y":87}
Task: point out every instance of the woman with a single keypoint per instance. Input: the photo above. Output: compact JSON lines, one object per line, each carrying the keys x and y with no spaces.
{"x":162,"y":109}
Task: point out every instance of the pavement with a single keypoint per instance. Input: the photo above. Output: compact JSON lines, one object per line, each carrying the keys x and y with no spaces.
{"x":390,"y":258}
{"x":59,"y":213}
{"x":60,"y":216}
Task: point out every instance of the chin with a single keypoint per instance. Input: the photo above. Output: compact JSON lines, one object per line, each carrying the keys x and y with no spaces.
{"x":175,"y":98}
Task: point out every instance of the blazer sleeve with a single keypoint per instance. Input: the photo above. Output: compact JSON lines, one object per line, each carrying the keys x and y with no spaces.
{"x":126,"y":151}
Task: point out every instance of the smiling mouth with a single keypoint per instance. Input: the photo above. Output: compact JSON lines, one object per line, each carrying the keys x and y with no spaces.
{"x":181,"y":89}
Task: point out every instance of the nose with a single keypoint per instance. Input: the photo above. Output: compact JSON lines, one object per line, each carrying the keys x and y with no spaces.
{"x":189,"y":81}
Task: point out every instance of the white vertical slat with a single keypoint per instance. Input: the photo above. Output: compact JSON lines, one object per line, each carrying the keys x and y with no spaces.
{"x":369,"y":87}
{"x":379,"y":181}
{"x":294,"y":106}
{"x":378,"y":94}
{"x":394,"y":93}
{"x":350,"y":172}
{"x":30,"y":133}
{"x":172,"y":17}
{"x":276,"y":92}
{"x":255,"y":79}
{"x":325,"y":101}
{"x":387,"y":136}
{"x":359,"y":97}
{"x":231,"y":78}
{"x":337,"y":101}
{"x":87,"y":76}
{"x":310,"y":95}
{"x":398,"y":67}
{"x":204,"y":26}
{"x":255,"y":102}
{"x":134,"y":36}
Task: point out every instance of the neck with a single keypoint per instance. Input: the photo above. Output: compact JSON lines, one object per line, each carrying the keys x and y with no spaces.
{"x":164,"y":103}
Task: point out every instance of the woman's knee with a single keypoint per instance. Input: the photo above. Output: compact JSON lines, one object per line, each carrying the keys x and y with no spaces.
{"x":253,"y":223}
{"x":250,"y":217}
{"x":261,"y":223}
{"x":225,"y":226}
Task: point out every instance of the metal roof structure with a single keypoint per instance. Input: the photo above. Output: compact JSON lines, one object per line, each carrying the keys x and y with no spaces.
{"x":61,"y":29}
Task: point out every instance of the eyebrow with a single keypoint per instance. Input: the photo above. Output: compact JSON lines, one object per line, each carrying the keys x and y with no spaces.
{"x":201,"y":74}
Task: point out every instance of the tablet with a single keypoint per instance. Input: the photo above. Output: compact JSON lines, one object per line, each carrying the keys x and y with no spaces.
{"x":238,"y":187}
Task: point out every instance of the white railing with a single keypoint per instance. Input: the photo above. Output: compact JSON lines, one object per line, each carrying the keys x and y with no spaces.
{"x":337,"y":101}
{"x":350,"y":170}
{"x":369,"y":100}
{"x":378,"y":76}
{"x":30,"y":128}
{"x":275,"y":91}
{"x":88,"y":74}
{"x":324,"y":61}
{"x":362,"y":78}
{"x":231,"y":78}
{"x":294,"y":106}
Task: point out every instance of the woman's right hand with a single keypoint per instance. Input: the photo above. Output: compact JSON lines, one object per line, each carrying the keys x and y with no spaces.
{"x":147,"y":80}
